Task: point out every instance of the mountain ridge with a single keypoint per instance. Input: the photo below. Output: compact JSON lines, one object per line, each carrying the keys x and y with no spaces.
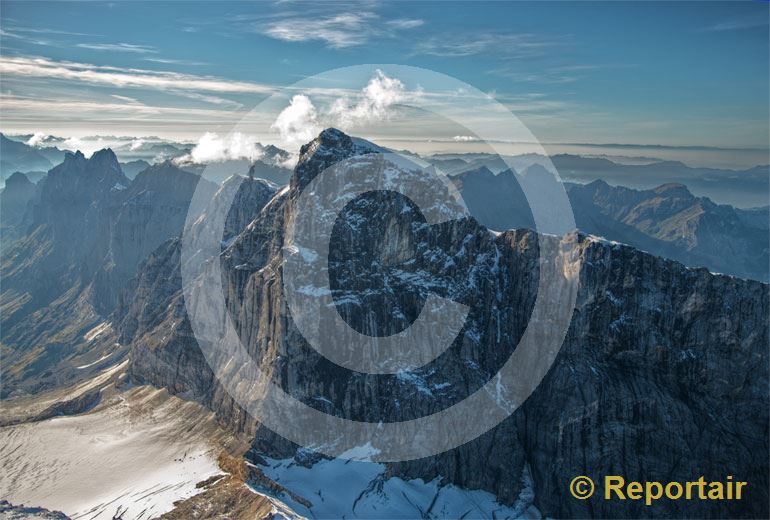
{"x":650,"y":337}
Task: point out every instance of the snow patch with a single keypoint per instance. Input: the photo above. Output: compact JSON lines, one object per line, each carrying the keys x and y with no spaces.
{"x":97,"y":331}
{"x":368,"y":493}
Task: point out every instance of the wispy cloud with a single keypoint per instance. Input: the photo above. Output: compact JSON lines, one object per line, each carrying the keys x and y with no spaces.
{"x":126,"y":99}
{"x":405,"y":23}
{"x":170,"y":61}
{"x":213,"y":100}
{"x":339,"y":31}
{"x":336,"y":31}
{"x":738,"y":24}
{"x":37,"y":36}
{"x":551,"y":75}
{"x":500,"y":45}
{"x":40,"y":30}
{"x":122,"y":77}
{"x":118,"y":47}
{"x":35,"y":40}
{"x":95,"y":110}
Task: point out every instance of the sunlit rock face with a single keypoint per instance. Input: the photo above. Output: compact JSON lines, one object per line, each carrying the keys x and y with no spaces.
{"x":662,"y":375}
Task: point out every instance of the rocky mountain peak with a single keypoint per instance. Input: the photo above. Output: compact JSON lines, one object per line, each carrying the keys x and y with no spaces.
{"x":104,"y":159}
{"x":330,"y":147}
{"x":674,"y":189}
{"x":76,"y":172}
{"x":74,"y":159}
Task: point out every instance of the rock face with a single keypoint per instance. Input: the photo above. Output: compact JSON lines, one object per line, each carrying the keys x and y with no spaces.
{"x":86,"y":230}
{"x":663,"y":374}
{"x":14,"y":200}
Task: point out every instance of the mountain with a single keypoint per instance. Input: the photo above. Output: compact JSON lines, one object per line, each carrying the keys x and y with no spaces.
{"x":667,"y":221}
{"x":271,"y":166}
{"x":16,"y":156}
{"x":742,"y":188}
{"x":87,"y":229}
{"x":662,"y":374}
{"x":132,"y":168}
{"x":675,"y":224}
{"x":14,"y":199}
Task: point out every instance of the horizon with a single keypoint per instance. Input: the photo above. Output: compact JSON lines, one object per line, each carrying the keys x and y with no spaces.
{"x":61,"y":76}
{"x":737,"y":159}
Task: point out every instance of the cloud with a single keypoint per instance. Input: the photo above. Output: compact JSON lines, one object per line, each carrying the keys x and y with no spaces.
{"x":405,"y":23}
{"x":214,"y":100}
{"x":169,"y":61}
{"x":37,"y":30}
{"x":118,"y":47}
{"x":464,"y":138}
{"x":737,"y":24}
{"x":38,"y":139}
{"x":122,"y":77}
{"x":211,"y":149}
{"x":497,"y":44}
{"x":298,"y":122}
{"x":337,"y":31}
{"x":126,"y":99}
{"x":26,"y":38}
{"x":372,"y":104}
{"x":87,"y":147}
{"x":93,"y":110}
{"x":552,"y":75}
{"x":301,"y":120}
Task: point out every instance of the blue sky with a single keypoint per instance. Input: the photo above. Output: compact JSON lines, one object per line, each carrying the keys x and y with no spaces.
{"x":672,"y":74}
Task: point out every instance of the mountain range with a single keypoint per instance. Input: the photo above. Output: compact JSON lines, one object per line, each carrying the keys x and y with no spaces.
{"x":667,"y":221}
{"x":662,"y":374}
{"x":743,"y":188}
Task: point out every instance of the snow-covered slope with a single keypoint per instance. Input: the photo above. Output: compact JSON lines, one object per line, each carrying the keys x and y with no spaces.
{"x":368,"y":492}
{"x":138,"y":452}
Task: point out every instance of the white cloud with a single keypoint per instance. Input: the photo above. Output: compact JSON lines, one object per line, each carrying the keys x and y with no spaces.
{"x":87,"y":147}
{"x":126,"y":99}
{"x":301,"y":120}
{"x":464,"y":138}
{"x":405,"y":23}
{"x":37,"y":140}
{"x":337,"y":31}
{"x":738,"y":24}
{"x":501,"y":45}
{"x":214,"y":100}
{"x":95,"y":110}
{"x":342,"y":30}
{"x":373,"y":103}
{"x":118,"y":47}
{"x":121,"y":77}
{"x":169,"y":61}
{"x":298,"y":122}
{"x":212,"y":148}
{"x":136,"y":144}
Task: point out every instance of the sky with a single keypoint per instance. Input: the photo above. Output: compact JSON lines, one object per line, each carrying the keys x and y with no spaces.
{"x":680,"y":75}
